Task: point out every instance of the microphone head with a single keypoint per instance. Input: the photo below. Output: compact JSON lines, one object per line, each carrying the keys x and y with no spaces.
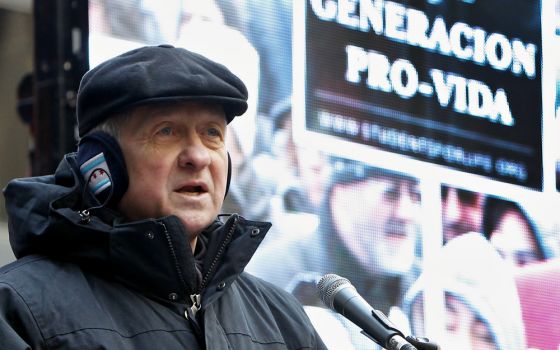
{"x":329,"y":285}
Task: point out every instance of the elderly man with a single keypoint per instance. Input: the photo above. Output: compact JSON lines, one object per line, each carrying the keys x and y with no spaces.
{"x":373,"y":243}
{"x":122,"y":247}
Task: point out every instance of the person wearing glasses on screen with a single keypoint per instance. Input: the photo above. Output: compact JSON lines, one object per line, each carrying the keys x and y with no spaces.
{"x":123,"y":248}
{"x":368,"y":232}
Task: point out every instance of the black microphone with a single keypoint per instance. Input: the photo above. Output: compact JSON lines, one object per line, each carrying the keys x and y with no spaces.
{"x":341,"y":296}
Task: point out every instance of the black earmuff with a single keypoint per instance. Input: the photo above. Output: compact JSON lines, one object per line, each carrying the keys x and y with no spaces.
{"x":103,"y":167}
{"x":228,"y":173}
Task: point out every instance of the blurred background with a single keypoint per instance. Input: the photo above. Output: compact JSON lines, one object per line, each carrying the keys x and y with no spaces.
{"x":16,"y":57}
{"x":409,"y":146}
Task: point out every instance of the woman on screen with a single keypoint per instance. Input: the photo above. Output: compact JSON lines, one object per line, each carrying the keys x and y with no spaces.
{"x":482,"y":309}
{"x":512,"y":232}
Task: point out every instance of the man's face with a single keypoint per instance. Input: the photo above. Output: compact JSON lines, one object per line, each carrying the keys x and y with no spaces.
{"x":462,"y":212}
{"x":177,"y":164}
{"x":378,"y":221}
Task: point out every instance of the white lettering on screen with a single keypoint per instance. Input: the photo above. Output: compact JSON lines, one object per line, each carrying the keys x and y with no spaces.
{"x":413,"y":27}
{"x":467,"y":96}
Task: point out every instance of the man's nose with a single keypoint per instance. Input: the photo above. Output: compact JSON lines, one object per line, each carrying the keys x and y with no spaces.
{"x":406,"y":207}
{"x":194,"y":153}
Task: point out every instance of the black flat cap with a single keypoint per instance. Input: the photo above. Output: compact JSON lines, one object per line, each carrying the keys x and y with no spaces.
{"x":155,"y":74}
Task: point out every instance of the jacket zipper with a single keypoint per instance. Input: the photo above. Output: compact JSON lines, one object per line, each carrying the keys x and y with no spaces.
{"x":189,"y":316}
{"x":196,"y":298}
{"x":173,"y":254}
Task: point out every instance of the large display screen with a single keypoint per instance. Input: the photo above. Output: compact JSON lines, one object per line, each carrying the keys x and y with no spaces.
{"x":448,"y":83}
{"x":407,"y":146}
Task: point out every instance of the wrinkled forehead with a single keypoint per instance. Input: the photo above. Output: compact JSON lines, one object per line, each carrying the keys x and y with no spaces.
{"x":186,"y":107}
{"x":355,"y":172}
{"x":183,"y":112}
{"x":383,"y":186}
{"x":385,"y":180}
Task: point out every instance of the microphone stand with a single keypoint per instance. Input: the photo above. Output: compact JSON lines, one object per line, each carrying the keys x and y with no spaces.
{"x":420,"y":343}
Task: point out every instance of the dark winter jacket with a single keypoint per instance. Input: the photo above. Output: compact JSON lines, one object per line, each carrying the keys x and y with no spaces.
{"x":97,"y":282}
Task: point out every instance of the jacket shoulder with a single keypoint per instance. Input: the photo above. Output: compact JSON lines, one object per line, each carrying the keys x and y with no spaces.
{"x":279,"y":301}
{"x":266,"y":289}
{"x":47,"y":303}
{"x":19,"y":326}
{"x":20,"y":270}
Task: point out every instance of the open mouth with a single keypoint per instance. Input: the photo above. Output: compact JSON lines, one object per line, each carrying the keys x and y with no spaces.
{"x":191,"y":190}
{"x":396,"y":230}
{"x":396,"y":235}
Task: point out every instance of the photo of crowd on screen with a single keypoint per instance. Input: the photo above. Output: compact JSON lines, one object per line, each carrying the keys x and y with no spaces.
{"x":337,"y":215}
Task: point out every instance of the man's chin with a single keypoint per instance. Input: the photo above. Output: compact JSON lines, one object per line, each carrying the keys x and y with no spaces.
{"x":397,"y":237}
{"x":396,"y":259}
{"x":194,"y":224}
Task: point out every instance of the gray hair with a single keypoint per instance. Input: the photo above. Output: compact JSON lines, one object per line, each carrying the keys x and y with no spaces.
{"x":113,"y":124}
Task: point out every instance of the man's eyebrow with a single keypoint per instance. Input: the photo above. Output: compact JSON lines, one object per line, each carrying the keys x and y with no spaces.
{"x":158,"y":112}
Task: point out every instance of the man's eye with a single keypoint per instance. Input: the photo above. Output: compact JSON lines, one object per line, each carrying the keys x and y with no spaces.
{"x":214,"y":132}
{"x":166,"y":131}
{"x":391,"y":194}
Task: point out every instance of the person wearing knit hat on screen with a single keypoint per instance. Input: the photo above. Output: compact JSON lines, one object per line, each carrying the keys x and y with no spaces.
{"x":123,"y":247}
{"x":481,"y":304}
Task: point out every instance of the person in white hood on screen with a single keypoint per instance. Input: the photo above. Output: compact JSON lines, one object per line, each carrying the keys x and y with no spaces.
{"x":482,"y":308}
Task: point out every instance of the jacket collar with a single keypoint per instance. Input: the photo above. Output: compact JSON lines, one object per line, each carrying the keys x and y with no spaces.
{"x":152,"y":256}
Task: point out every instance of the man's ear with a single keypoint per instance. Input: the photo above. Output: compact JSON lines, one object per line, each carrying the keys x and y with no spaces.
{"x":103,"y":167}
